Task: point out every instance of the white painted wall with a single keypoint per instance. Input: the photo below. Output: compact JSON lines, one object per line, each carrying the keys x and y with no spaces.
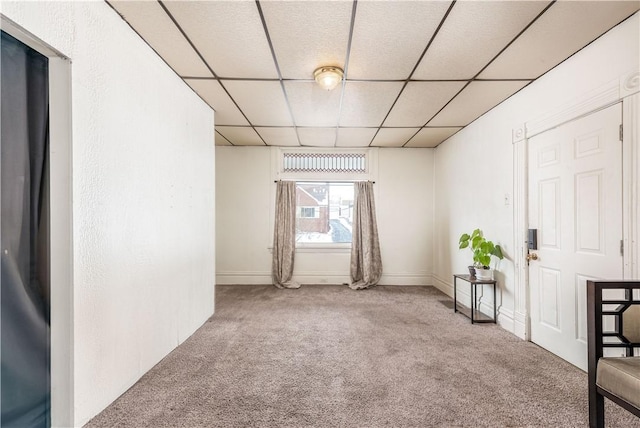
{"x":244,"y":188}
{"x":245,"y":192}
{"x":405,"y":215}
{"x":458,"y":178}
{"x":143,"y":195}
{"x":143,"y":199}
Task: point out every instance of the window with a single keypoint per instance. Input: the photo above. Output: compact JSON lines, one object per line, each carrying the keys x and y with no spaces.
{"x":308,"y":212}
{"x":324,"y":212}
{"x":324,"y":162}
{"x":324,"y":192}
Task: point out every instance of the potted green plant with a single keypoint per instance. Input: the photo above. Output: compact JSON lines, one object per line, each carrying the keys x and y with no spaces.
{"x":482,"y":250}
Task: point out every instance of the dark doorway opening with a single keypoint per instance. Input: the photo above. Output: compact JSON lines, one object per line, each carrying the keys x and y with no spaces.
{"x":25,"y":303}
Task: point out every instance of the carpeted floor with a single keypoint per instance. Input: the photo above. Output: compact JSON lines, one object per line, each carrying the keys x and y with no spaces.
{"x":328,"y":356}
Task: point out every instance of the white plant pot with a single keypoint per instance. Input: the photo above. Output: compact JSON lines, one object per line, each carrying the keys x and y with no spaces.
{"x":484,"y":274}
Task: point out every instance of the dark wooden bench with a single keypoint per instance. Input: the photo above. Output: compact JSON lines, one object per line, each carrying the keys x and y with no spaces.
{"x":617,"y":378}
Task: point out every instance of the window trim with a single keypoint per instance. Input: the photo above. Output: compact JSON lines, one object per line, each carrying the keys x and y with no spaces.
{"x":278,"y":174}
{"x":321,"y":245}
{"x":371,"y":165}
{"x":316,"y":213}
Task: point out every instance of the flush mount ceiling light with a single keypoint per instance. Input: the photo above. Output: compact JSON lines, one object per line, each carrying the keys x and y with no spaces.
{"x":328,"y":77}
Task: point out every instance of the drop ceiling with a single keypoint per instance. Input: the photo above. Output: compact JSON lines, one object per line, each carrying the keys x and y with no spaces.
{"x":415,"y":72}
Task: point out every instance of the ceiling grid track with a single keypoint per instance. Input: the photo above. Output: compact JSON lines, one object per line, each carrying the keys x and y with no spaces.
{"x":211,"y":70}
{"x":475,"y":78}
{"x":275,"y":61}
{"x":513,"y":40}
{"x":354,"y":9}
{"x":444,"y":64}
{"x":415,"y":67}
{"x":438,"y":112}
{"x":225,"y":138}
{"x":158,"y":53}
{"x":160,"y":2}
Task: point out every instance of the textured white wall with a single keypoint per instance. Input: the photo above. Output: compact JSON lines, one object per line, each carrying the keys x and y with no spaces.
{"x":143,"y":199}
{"x":470,"y":194}
{"x":405,"y":215}
{"x":244,"y":201}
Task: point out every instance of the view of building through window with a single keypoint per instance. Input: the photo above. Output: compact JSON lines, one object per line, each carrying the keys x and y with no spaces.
{"x":324,"y":212}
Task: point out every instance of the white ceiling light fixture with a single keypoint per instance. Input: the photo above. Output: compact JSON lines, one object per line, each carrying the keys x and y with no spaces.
{"x":328,"y":77}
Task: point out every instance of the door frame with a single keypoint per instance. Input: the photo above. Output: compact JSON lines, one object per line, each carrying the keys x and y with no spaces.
{"x":625,"y":89}
{"x":60,"y":224}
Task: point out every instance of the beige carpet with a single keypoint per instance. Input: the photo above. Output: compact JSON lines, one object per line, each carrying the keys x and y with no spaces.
{"x":328,"y":356}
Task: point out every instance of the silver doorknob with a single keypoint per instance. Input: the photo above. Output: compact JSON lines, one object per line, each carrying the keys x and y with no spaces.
{"x":532,"y":256}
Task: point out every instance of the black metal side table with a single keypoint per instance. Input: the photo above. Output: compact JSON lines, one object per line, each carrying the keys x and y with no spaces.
{"x":473,"y":312}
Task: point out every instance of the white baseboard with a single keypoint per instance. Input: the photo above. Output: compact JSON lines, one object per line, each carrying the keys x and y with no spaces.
{"x":442,"y":285}
{"x":406,"y":279}
{"x":320,"y":277}
{"x":505,"y":319}
{"x":513,"y":323}
{"x":520,"y":325}
{"x":249,"y":278}
{"x":464,"y":295}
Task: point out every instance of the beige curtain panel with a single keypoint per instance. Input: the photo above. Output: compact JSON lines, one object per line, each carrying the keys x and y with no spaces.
{"x":284,"y":235}
{"x":366,"y":263}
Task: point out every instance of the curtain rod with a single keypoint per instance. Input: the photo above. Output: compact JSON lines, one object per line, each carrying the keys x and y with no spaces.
{"x":312,"y":181}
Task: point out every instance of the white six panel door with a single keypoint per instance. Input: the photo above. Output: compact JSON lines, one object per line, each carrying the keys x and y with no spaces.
{"x":575,"y":202}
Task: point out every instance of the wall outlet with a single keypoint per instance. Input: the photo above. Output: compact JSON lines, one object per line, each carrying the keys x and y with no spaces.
{"x":507,"y":199}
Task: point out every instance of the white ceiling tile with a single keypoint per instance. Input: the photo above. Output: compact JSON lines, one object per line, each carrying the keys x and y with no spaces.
{"x":317,"y":137}
{"x":279,"y":136}
{"x":355,"y":137}
{"x":157,"y":29}
{"x":388,"y":39}
{"x":229,"y":34}
{"x":475,"y":100}
{"x":472,"y":35}
{"x":262,"y":102}
{"x":221,"y":141}
{"x":307,"y":35}
{"x":240,"y":135}
{"x":312,"y":105}
{"x":390,"y":36}
{"x":431,"y":137}
{"x":367,"y":103}
{"x":420,"y":101}
{"x":393,"y":137}
{"x":226,"y":112}
{"x":562,"y":30}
